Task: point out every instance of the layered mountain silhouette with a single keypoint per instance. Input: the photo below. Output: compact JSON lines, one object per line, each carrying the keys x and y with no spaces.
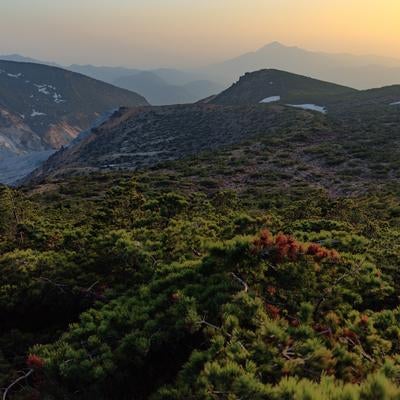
{"x":159,"y":92}
{"x":361,"y":72}
{"x":21,"y":58}
{"x":160,"y":87}
{"x":169,"y":86}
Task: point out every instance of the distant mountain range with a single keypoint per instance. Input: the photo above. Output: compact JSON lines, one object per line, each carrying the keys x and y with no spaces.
{"x":20,"y":58}
{"x":43,"y":108}
{"x":159,"y":92}
{"x":169,"y":86}
{"x":160,"y":87}
{"x":361,"y":72}
{"x":259,"y":101}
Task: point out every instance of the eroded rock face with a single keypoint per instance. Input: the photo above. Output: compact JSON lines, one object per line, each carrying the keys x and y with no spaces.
{"x":16,"y":137}
{"x":61,"y":134}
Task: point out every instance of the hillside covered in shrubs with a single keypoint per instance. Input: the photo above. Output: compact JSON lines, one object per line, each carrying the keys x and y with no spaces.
{"x":201,"y":279}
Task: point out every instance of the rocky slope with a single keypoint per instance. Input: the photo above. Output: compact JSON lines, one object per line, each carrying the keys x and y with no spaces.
{"x":44,"y":107}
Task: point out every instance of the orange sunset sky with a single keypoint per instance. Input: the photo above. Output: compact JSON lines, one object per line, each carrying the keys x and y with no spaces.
{"x":146,"y":33}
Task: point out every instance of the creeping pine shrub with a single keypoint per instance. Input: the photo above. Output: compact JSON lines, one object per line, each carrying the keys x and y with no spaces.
{"x":284,"y":247}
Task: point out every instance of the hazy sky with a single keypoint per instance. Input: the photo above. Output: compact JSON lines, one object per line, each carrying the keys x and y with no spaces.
{"x":147,"y":33}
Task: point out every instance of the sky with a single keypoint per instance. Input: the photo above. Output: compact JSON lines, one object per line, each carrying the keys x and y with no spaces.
{"x":189,"y":33}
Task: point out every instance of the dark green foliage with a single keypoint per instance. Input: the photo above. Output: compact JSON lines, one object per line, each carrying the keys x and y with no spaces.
{"x":155,"y":286}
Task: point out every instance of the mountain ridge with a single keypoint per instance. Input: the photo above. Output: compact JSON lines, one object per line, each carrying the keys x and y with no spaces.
{"x":145,"y":136}
{"x":52,"y":103}
{"x":270,"y":85}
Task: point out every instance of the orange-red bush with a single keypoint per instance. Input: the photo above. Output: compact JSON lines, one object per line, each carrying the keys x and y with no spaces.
{"x":34,"y":361}
{"x":273,"y":311}
{"x":284,"y":247}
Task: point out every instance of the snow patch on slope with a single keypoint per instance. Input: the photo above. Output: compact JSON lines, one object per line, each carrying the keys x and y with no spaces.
{"x":312,"y":107}
{"x":42,"y":89}
{"x":37,"y":113}
{"x":14,"y":75}
{"x":50,"y":90}
{"x":58,"y":98}
{"x":270,"y":99}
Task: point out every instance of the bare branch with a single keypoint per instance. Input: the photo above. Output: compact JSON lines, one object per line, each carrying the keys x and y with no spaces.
{"x":59,"y":286}
{"x":204,"y":322}
{"x":89,"y":289}
{"x":62,"y":287}
{"x":240,"y":280}
{"x":196,"y":252}
{"x":21,"y":378}
{"x":362,"y":351}
{"x":288,"y":353}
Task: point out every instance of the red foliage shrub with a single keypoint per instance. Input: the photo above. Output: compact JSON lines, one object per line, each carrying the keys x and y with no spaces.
{"x":284,"y":247}
{"x":273,"y":311}
{"x":264,"y":241}
{"x":313,"y":249}
{"x":282,"y":240}
{"x":34,"y":361}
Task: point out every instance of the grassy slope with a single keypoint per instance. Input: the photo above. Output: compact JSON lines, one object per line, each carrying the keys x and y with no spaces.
{"x":292,"y":88}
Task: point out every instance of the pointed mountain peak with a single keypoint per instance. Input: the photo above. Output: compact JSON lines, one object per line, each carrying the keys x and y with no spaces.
{"x":276,"y":46}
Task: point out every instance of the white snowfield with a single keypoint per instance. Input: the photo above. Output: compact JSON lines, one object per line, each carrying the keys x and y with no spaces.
{"x":271,"y":99}
{"x":37,"y":113}
{"x":397,"y":103}
{"x":312,"y":107}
